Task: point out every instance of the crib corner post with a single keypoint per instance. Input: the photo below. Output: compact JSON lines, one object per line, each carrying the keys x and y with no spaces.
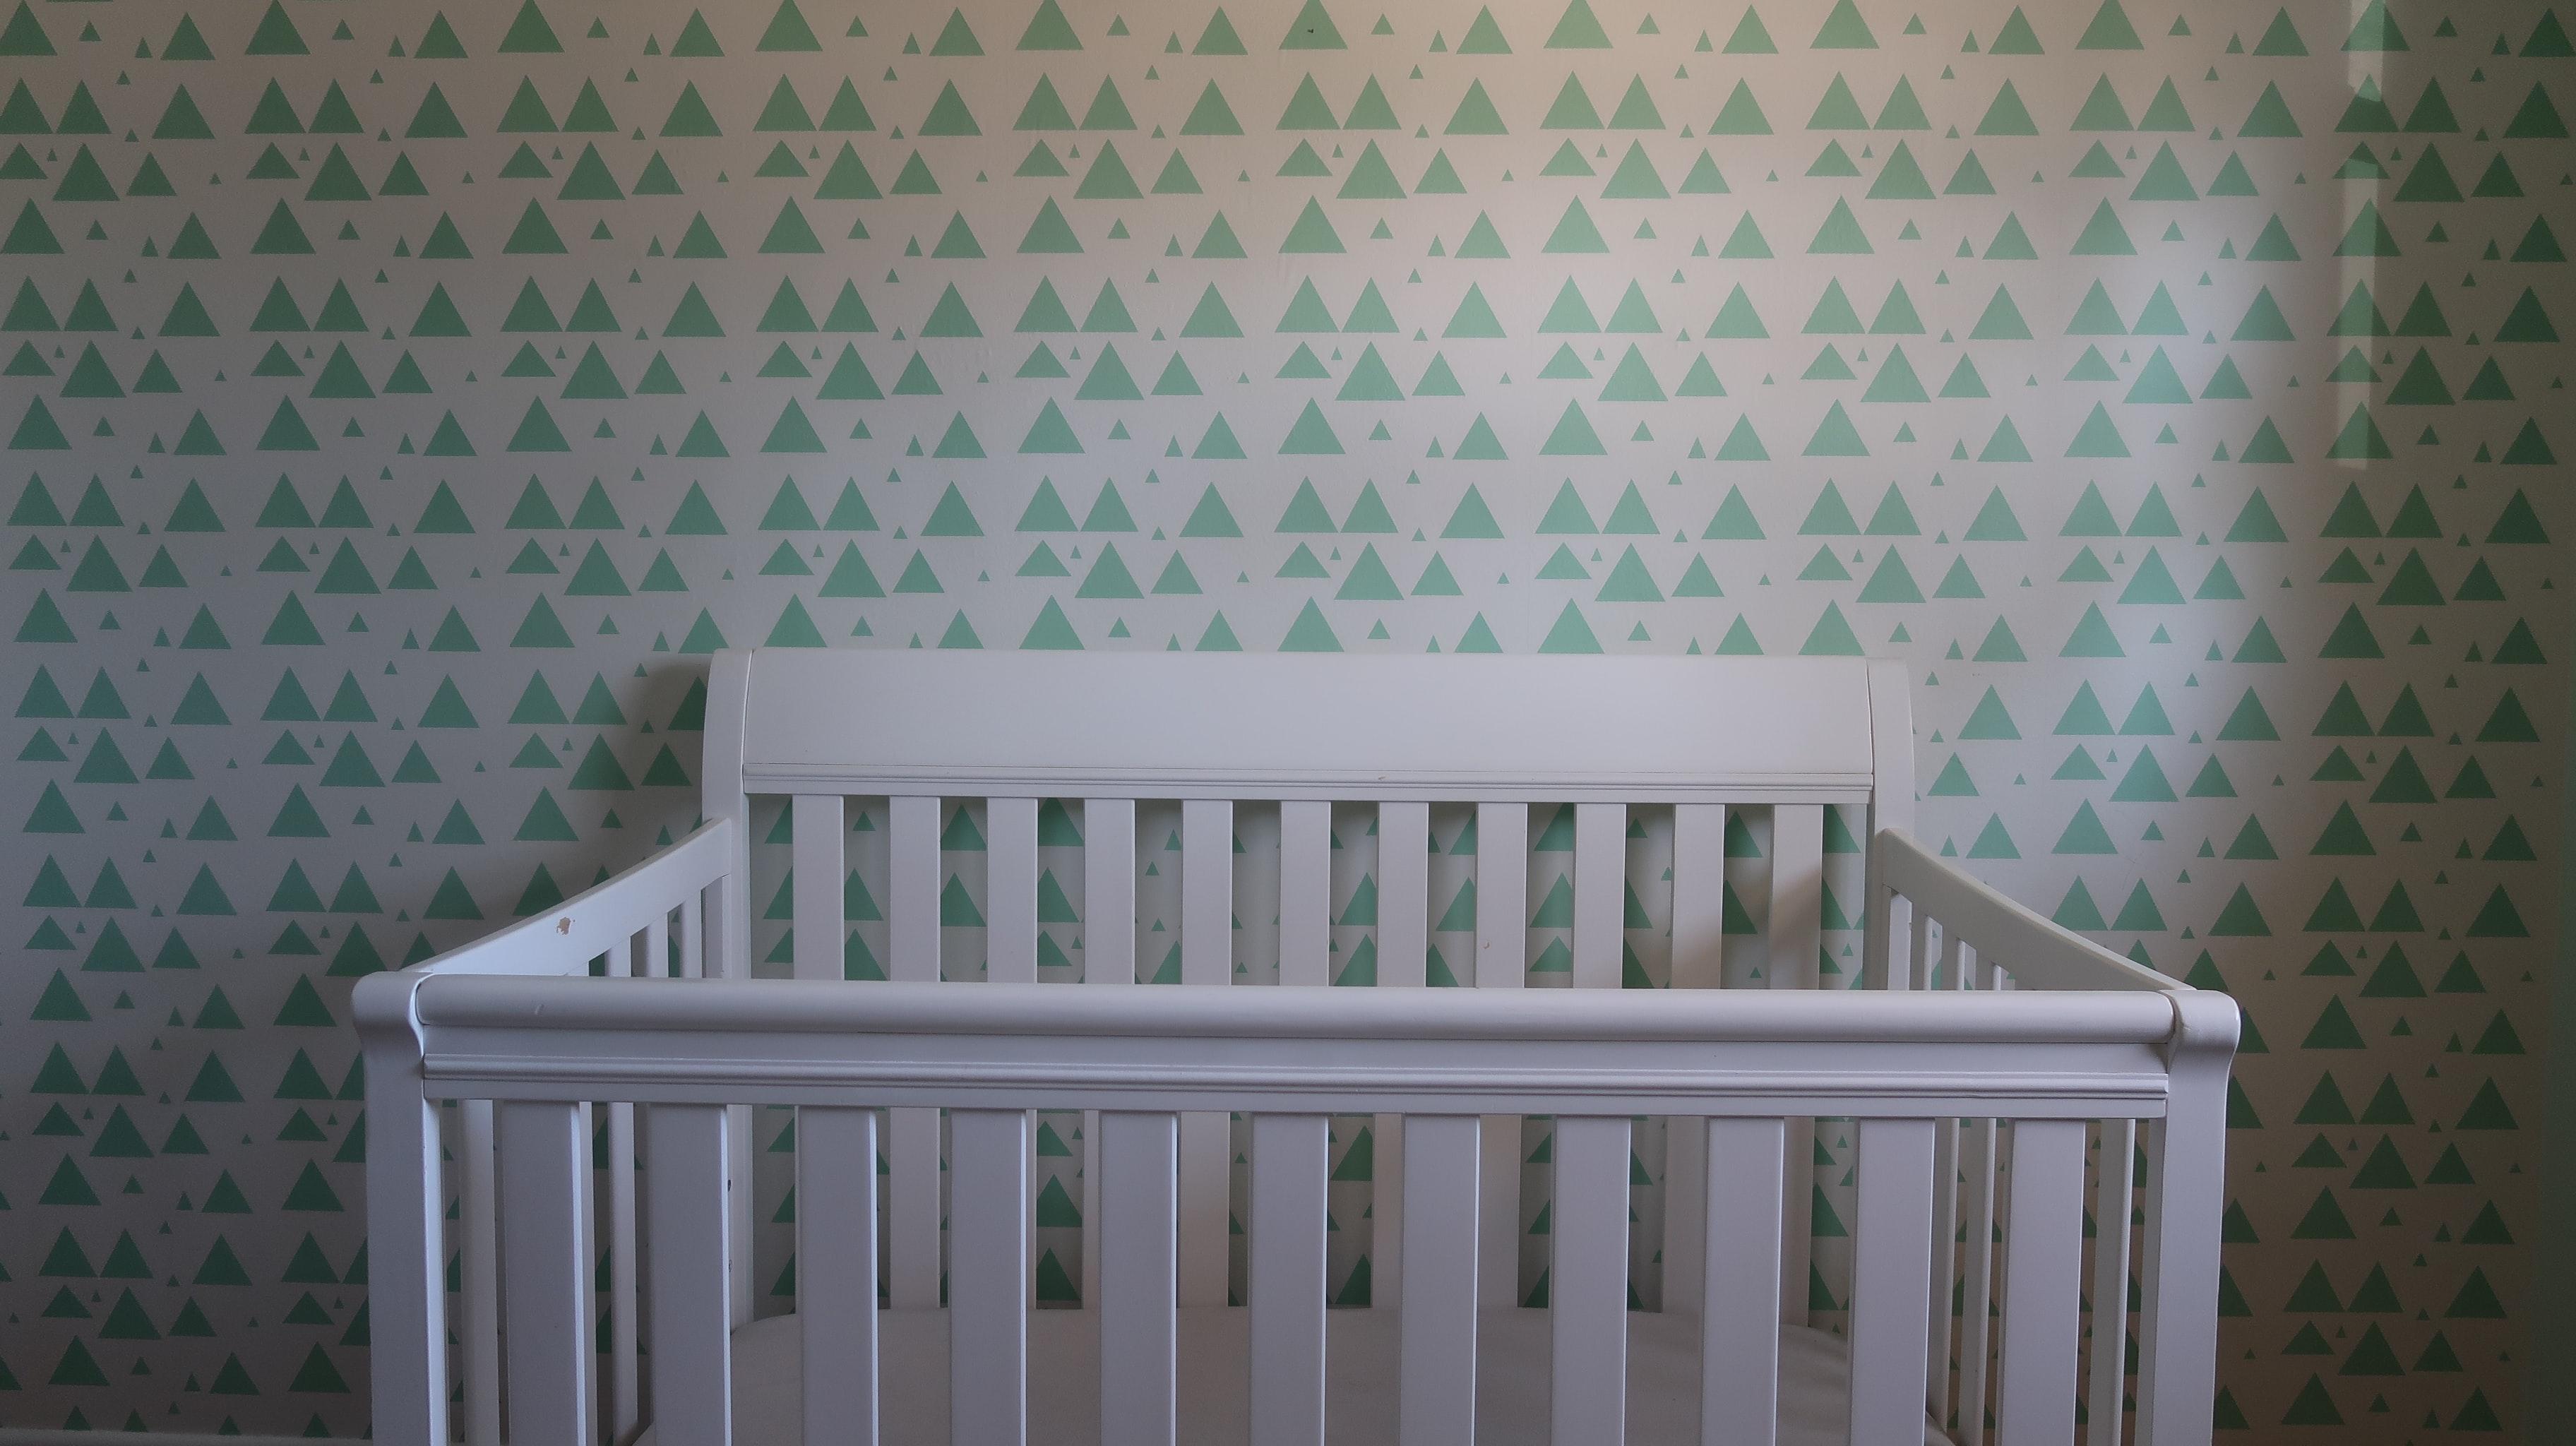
{"x":2185,"y":1202}
{"x":407,"y":1293}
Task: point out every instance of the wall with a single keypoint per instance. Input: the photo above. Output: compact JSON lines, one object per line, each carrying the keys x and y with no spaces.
{"x":400,"y":407}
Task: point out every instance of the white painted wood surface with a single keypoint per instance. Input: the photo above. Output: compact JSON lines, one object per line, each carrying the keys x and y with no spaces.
{"x":1305,"y":893}
{"x":1108,"y":958}
{"x":1436,"y":1365}
{"x":1340,"y":727}
{"x":1403,"y":892}
{"x":1796,"y":934}
{"x":1011,"y":890}
{"x":1946,"y":973}
{"x":1976,"y":1325}
{"x":479,"y":1271}
{"x":988,"y":1278}
{"x":2085,"y":1036}
{"x":1140,"y":1278}
{"x":912,"y":1136}
{"x":547,"y":1305}
{"x":836,"y":1273}
{"x":690,"y":1228}
{"x":624,"y":1402}
{"x":1403,"y":941}
{"x":1891,"y":1270}
{"x":1600,"y":876}
{"x":2185,"y":1196}
{"x":1588,"y":1279}
{"x":814,"y":823}
{"x":1501,"y":962}
{"x":1109,"y":891}
{"x":2043,"y":1269}
{"x":2114,"y":1183}
{"x":1698,"y":962}
{"x":1291,"y":1161}
{"x":1207,"y":959}
{"x":1739,"y":1282}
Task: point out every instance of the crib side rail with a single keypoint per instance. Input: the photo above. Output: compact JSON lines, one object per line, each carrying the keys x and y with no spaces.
{"x":2039,"y":952}
{"x":1738,"y":1063}
{"x":608,"y":917}
{"x":1022,"y":1046}
{"x":660,"y":917}
{"x":1950,"y":932}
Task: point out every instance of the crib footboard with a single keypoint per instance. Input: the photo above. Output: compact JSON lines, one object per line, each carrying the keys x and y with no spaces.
{"x":2036,"y":1070}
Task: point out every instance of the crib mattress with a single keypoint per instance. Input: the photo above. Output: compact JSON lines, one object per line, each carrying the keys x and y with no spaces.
{"x":1511,"y":1380}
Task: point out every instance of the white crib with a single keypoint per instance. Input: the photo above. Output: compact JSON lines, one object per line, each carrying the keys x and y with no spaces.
{"x":2002,"y":1080}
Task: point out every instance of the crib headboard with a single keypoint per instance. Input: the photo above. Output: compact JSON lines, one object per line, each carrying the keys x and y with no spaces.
{"x":1341,"y":727}
{"x":1226,"y":736}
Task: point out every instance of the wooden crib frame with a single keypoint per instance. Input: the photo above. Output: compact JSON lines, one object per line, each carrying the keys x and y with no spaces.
{"x":1980,"y":1032}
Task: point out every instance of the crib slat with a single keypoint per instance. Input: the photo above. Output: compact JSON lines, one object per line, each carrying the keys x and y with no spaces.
{"x":1501,"y":962}
{"x":1139,"y":1244}
{"x":988,"y":1278}
{"x":1207,"y":891}
{"x":1109,"y":891}
{"x":912,"y":888}
{"x":1502,"y":895}
{"x":1386,"y":1212}
{"x":2043,"y":1265}
{"x":1011,"y":890}
{"x":1699,"y":895}
{"x":912,"y":1135}
{"x":687,"y":1217}
{"x":408,"y":1290}
{"x":1403,"y":891}
{"x":1698,"y":962}
{"x":586,"y":1223}
{"x":1305,"y":892}
{"x":1291,"y":1161}
{"x":1403,"y":936}
{"x":814,"y":822}
{"x":1207,"y":958}
{"x":836,"y":1272}
{"x":647,"y":955}
{"x":1894,"y":964}
{"x":1436,"y":1396}
{"x":1600,"y":876}
{"x":1976,"y":1305}
{"x":1945,"y":1204}
{"x":1797,"y":893}
{"x":1796,"y":935}
{"x":1108,"y":957}
{"x":693,"y":935}
{"x":478,"y":1211}
{"x":1588,"y":1279}
{"x":1739,"y":1281}
{"x":547,"y":1329}
{"x":624,"y":1404}
{"x":912,"y":1208}
{"x":2113,"y":1177}
{"x":1891,"y":1269}
{"x":653,"y":959}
